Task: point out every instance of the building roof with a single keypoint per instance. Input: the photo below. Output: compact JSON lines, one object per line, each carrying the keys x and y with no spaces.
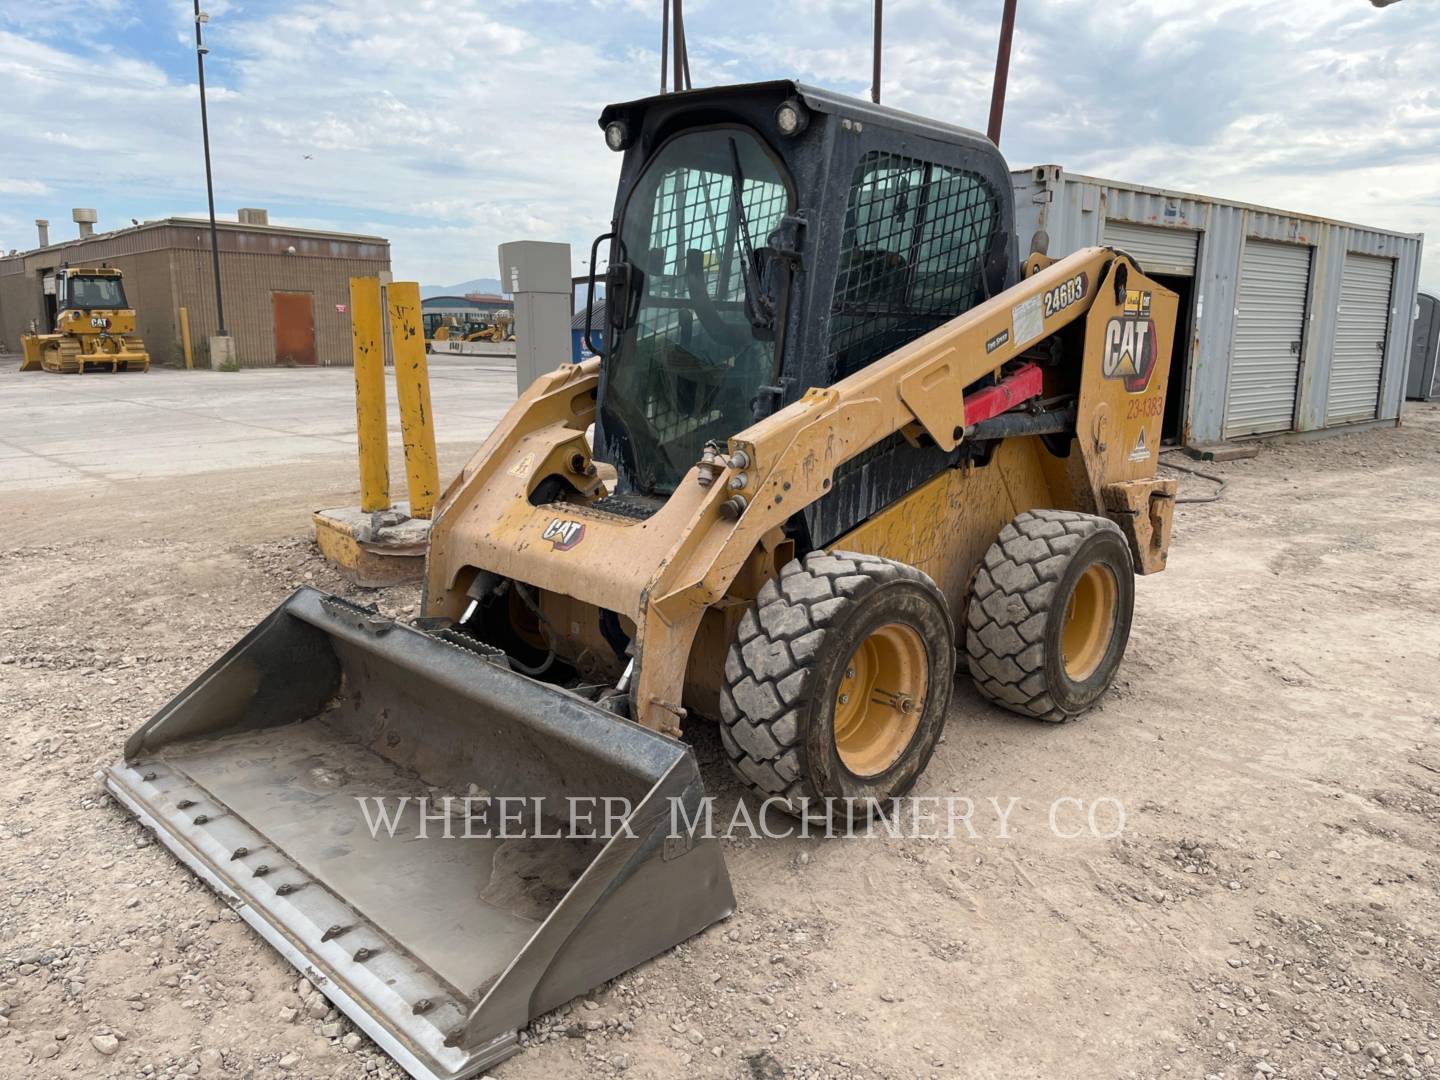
{"x":268,"y":235}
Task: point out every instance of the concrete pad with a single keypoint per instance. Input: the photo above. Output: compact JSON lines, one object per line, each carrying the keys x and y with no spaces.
{"x":64,"y":430}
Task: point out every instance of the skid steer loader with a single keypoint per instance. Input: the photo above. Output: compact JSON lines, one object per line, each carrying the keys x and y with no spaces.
{"x":94,"y":326}
{"x":841,"y":434}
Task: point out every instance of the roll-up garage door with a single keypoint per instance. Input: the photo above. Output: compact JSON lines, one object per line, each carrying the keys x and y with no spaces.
{"x":1159,"y":250}
{"x":1269,"y":324}
{"x":1360,"y":329}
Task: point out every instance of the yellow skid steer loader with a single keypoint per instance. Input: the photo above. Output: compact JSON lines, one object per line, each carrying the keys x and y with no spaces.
{"x":841,"y":437}
{"x":94,"y":327}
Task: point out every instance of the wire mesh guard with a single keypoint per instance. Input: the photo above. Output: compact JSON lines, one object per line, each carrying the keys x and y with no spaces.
{"x":912,"y":255}
{"x":694,"y":361}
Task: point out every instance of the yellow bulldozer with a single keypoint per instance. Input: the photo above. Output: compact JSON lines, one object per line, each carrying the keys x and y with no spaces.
{"x":94,"y":326}
{"x":845,"y":440}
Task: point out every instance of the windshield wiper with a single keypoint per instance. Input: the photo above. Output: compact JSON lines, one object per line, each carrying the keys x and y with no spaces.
{"x":757,"y":306}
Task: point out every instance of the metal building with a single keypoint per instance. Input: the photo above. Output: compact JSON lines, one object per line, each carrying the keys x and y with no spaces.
{"x":286,"y":291}
{"x":1423,"y":381}
{"x":1288,"y":322}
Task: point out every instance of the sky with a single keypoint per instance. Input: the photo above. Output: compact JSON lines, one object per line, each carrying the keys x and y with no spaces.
{"x":452,"y":127}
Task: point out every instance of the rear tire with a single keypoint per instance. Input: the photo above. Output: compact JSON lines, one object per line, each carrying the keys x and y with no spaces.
{"x":838,"y":684}
{"x":1049,"y":613}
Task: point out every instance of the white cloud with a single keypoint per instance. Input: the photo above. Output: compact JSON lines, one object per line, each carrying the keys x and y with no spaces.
{"x":451,"y":127}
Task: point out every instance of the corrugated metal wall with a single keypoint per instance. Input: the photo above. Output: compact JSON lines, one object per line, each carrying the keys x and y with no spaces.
{"x":1074,"y":210}
{"x":248,"y":281}
{"x":167,"y":265}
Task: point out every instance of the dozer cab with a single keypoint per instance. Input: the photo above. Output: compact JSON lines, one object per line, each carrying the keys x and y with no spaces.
{"x":843,"y":441}
{"x":94,"y":326}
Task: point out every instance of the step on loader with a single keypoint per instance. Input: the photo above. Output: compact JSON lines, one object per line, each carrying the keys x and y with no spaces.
{"x":94,"y":326}
{"x":843,"y":441}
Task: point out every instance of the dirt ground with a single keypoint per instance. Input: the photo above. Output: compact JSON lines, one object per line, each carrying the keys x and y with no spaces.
{"x":1269,"y":909}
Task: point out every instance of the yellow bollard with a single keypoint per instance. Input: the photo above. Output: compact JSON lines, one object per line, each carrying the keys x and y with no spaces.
{"x":412,"y":387}
{"x":185,"y":339}
{"x":368,"y":342}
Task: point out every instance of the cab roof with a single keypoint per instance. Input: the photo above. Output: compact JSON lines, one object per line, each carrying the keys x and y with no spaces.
{"x":816,"y":99}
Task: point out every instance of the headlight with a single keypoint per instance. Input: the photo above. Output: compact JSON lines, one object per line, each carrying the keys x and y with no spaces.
{"x":791,"y":117}
{"x":617,"y":135}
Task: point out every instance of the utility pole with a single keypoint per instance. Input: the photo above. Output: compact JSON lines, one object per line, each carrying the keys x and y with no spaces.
{"x":1002,"y":72}
{"x":200,"y":50}
{"x":672,"y":37}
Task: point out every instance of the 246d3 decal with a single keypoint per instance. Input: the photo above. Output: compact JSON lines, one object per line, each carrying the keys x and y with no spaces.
{"x":1066,"y":293}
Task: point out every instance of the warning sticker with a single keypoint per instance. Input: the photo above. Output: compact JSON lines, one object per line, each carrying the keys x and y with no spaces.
{"x":1027,"y":321}
{"x":1142,"y":450}
{"x":522,"y":467}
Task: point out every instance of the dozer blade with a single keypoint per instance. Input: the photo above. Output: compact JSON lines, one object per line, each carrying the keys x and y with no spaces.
{"x":30,"y":352}
{"x":260,"y":774}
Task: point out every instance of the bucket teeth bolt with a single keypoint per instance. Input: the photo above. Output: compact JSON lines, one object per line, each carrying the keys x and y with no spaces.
{"x":239,"y":853}
{"x":184,"y":804}
{"x":334,"y":932}
{"x":422,"y":1006}
{"x":201,"y":819}
{"x":363,"y":954}
{"x":262,"y":870}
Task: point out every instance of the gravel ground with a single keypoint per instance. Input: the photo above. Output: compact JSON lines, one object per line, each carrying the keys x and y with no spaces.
{"x":1269,"y":908}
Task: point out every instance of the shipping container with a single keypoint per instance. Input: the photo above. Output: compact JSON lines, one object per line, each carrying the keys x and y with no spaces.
{"x":1289,"y":322}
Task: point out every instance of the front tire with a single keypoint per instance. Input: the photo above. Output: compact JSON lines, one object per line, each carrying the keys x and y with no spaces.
{"x":1049,"y":613}
{"x":838,"y":685}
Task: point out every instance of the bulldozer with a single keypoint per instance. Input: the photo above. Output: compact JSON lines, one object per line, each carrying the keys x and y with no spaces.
{"x":844,"y":442}
{"x":94,"y":326}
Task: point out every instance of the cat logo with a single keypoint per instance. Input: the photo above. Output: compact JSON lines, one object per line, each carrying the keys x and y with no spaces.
{"x":1129,"y":351}
{"x":564,"y":535}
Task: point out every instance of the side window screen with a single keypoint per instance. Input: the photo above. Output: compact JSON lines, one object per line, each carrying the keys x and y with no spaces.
{"x":912,"y":255}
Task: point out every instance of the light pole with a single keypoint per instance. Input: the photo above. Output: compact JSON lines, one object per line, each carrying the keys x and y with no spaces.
{"x":200,"y":50}
{"x":1002,"y":72}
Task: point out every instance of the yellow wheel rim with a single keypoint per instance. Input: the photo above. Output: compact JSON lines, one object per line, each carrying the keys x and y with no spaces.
{"x":880,"y":699}
{"x":1089,"y":621}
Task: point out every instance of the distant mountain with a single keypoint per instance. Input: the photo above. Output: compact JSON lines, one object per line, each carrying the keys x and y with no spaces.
{"x":474,"y":285}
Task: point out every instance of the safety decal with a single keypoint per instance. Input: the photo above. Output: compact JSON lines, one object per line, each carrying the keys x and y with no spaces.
{"x":995,"y":342}
{"x":1066,"y":293}
{"x":564,"y":535}
{"x":1142,"y":449}
{"x":522,"y":467}
{"x":1027,"y":321}
{"x":1129,"y":351}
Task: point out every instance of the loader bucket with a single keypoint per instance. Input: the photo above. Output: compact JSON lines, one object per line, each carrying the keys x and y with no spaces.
{"x":263,"y":777}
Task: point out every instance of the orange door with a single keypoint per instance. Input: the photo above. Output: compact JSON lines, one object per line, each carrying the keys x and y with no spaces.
{"x":294,"y":328}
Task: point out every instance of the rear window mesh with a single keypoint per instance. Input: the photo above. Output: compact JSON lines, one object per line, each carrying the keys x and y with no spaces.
{"x":912,"y":255}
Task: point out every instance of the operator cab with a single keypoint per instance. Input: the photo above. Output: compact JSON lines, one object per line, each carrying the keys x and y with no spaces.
{"x":729,"y":294}
{"x":89,"y":290}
